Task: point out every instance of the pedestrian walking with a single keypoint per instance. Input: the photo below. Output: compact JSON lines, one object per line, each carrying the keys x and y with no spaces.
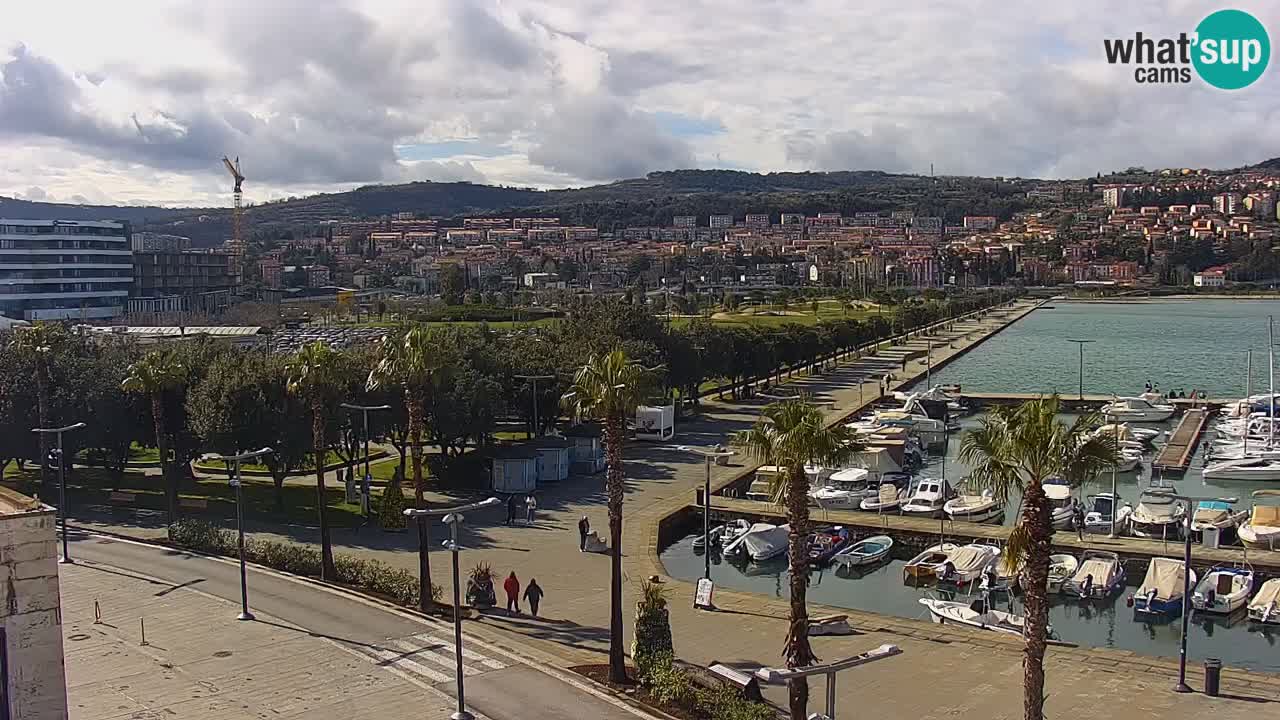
{"x":511,"y":511}
{"x":512,"y":586}
{"x":530,"y":507}
{"x":1077,"y":518}
{"x":533,"y":595}
{"x":584,"y":528}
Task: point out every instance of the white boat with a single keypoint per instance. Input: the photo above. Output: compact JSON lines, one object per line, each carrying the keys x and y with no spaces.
{"x":1216,"y":514}
{"x":1100,"y":573}
{"x":928,"y":500}
{"x":1136,"y":409}
{"x":1265,"y":606}
{"x":926,"y":564}
{"x":762,"y":542}
{"x":974,"y":508}
{"x":1248,"y":468}
{"x":948,"y":611}
{"x":1262,"y":529}
{"x":1098,"y":517}
{"x":967,"y":563}
{"x":1161,"y":592}
{"x":1223,"y":590}
{"x":1124,"y":432}
{"x":816,"y":474}
{"x":888,"y":498}
{"x":723,"y":535}
{"x":1062,"y":504}
{"x":864,"y":552}
{"x":845,"y":489}
{"x":930,"y":431}
{"x":1061,"y":568}
{"x":1158,"y":516}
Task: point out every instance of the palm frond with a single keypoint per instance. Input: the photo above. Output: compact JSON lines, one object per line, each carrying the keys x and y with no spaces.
{"x":1017,"y":549}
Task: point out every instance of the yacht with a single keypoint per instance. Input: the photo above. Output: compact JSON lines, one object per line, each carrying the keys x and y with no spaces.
{"x":967,"y":563}
{"x":1136,"y":409}
{"x":1097,"y":518}
{"x":1062,"y":504}
{"x":1247,"y":468}
{"x":1100,"y":573}
{"x":1158,"y":516}
{"x":974,"y":508}
{"x":928,"y":500}
{"x":1262,"y":529}
{"x":1161,"y":592}
{"x":1223,"y":590}
{"x":844,"y":490}
{"x":1265,"y":606}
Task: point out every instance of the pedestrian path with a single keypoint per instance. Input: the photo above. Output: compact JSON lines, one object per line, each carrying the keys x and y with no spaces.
{"x":425,"y":657}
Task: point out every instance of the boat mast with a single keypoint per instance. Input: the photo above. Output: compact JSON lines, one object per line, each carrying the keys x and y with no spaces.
{"x":1271,"y":379}
{"x":1248,"y":390}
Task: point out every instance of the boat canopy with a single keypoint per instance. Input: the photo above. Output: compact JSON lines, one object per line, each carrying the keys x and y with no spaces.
{"x":1166,"y":576}
{"x":1056,"y":491}
{"x":1119,"y":431}
{"x":969,"y":558}
{"x":1265,"y":516}
{"x":850,"y":475}
{"x":1098,"y":568}
{"x":1212,"y":511}
{"x":888,"y":493}
{"x":1270,"y":593}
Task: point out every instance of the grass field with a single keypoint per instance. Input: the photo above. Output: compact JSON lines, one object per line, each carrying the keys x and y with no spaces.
{"x":796,"y":313}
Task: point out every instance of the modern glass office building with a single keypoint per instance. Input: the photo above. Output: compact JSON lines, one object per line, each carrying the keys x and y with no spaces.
{"x":64,"y":269}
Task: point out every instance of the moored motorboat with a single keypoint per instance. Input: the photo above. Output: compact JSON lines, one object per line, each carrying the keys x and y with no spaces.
{"x":1264,"y":468}
{"x":1262,"y":529}
{"x":982,"y":617}
{"x":1265,"y":606}
{"x":1062,"y":504}
{"x":1098,"y":518}
{"x":824,"y":544}
{"x":1158,"y":516}
{"x":1137,"y":409}
{"x":1161,"y":592}
{"x":926,"y":564}
{"x":844,"y":489}
{"x":1217,"y":515}
{"x":864,"y":552}
{"x":762,"y":542}
{"x":722,"y":535}
{"x":967,"y":563}
{"x":1062,"y":567}
{"x":888,"y":498}
{"x":1223,"y":590}
{"x":1099,"y":574}
{"x":974,"y":508}
{"x":928,"y":500}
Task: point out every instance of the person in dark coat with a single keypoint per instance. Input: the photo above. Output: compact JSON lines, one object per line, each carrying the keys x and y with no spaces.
{"x":533,"y":595}
{"x":511,"y":510}
{"x":584,"y":529}
{"x":512,"y":586}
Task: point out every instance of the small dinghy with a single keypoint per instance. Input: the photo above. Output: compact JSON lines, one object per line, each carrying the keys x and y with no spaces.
{"x":1099,"y":574}
{"x":1223,"y":590}
{"x":1160,"y":595}
{"x":864,"y":552}
{"x":1265,"y":606}
{"x":925,"y":565}
{"x":978,"y":615}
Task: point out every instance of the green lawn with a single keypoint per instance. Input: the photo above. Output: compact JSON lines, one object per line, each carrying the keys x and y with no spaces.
{"x":331,"y":458}
{"x":497,"y":324}
{"x":800,"y":314}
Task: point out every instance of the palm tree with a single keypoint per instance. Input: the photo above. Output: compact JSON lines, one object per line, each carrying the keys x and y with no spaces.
{"x":608,"y":388}
{"x":790,"y":434}
{"x":1020,"y":449}
{"x":412,"y":361}
{"x":154,"y":375}
{"x":37,"y":343}
{"x":315,"y":374}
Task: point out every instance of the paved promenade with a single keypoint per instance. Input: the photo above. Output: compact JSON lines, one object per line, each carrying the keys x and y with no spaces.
{"x":942,"y":673}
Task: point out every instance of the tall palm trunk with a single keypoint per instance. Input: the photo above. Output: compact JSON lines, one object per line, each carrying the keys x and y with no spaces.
{"x":1036,"y":519}
{"x":327,"y":571}
{"x":166,"y":467}
{"x":798,"y":651}
{"x":614,"y":435}
{"x":414,"y":406}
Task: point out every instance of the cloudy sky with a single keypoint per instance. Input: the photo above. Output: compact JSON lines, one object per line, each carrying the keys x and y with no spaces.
{"x":133,"y":102}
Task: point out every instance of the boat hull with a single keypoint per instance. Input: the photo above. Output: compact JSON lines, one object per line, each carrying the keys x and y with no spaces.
{"x":978,"y":515}
{"x":1156,"y":608}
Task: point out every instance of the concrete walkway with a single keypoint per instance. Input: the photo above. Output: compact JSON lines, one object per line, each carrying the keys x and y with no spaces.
{"x":941,"y":673}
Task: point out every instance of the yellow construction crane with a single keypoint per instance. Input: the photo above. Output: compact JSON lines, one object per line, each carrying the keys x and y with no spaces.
{"x":236,"y":246}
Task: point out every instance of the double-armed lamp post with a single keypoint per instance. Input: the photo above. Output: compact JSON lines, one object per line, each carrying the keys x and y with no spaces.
{"x":233,"y":465}
{"x":62,"y":480}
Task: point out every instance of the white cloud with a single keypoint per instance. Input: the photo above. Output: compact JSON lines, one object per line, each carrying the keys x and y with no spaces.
{"x":317,"y":96}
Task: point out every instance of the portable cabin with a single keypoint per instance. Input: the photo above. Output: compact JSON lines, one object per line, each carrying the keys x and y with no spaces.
{"x":554,"y":457}
{"x":515,"y":469}
{"x":655,"y":422}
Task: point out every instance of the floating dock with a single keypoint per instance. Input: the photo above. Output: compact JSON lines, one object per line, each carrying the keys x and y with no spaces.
{"x":1175,"y":456}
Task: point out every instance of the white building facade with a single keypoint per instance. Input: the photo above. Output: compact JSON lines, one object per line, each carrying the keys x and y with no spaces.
{"x":64,"y":269}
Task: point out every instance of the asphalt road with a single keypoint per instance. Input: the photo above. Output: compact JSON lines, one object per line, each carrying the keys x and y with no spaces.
{"x":499,"y":686}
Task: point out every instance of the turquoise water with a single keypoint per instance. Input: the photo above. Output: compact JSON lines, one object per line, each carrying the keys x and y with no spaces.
{"x":1185,"y":344}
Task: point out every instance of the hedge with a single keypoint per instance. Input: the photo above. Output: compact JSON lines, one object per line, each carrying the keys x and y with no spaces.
{"x":374,"y":576}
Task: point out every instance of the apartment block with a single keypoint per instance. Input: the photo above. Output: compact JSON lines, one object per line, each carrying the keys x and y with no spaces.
{"x":64,"y":269}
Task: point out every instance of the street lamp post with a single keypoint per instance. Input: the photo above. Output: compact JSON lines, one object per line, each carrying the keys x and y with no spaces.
{"x":1081,"y":344}
{"x":364,"y":486}
{"x":62,"y":481}
{"x":453,"y":518}
{"x":707,"y":456}
{"x":537,"y":427}
{"x":778,"y":676}
{"x":233,"y":461}
{"x":1182,"y":686}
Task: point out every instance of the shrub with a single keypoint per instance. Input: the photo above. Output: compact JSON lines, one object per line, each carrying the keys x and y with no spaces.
{"x":651,"y":645}
{"x":391,"y":509}
{"x":374,"y":576}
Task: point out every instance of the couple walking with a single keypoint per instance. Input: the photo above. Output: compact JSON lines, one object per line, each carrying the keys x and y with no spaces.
{"x":532,"y":594}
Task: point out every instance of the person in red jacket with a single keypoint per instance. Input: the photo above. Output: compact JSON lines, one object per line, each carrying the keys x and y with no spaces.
{"x":512,"y":586}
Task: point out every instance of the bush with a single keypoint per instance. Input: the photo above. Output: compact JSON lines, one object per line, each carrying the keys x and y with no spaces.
{"x":651,"y":646}
{"x":374,"y":576}
{"x":668,"y":683}
{"x":391,"y":509}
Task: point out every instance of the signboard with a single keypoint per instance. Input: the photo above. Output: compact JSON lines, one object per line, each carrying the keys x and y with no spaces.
{"x":702,"y":597}
{"x":364,"y":495}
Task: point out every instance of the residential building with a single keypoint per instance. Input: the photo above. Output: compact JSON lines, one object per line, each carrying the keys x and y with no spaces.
{"x":721,"y":221}
{"x":185,"y":281}
{"x":684,"y":221}
{"x":791,"y":219}
{"x":757,"y":220}
{"x":272,"y":273}
{"x":64,"y":269}
{"x":34,"y":681}
{"x":1211,"y":278}
{"x":1228,"y":203}
{"x":317,"y":275}
{"x":979,"y":222}
{"x":153,"y":242}
{"x":1261,"y":204}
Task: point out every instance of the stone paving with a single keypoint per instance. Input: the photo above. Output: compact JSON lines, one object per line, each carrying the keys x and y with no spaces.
{"x":943,"y":672}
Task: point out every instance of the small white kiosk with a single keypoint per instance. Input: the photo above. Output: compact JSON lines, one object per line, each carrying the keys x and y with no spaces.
{"x":587,"y":453}
{"x":655,"y":422}
{"x":515,"y":470}
{"x":553,"y":458}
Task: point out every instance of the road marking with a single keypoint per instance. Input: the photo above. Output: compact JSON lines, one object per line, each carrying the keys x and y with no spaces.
{"x":467,"y":652}
{"x":391,"y":659}
{"x":446,"y":660}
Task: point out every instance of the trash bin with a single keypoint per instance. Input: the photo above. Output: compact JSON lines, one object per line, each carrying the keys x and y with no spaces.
{"x":1211,"y":537}
{"x":1212,"y":673}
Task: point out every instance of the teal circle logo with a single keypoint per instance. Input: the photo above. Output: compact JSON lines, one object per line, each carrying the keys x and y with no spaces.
{"x":1232,"y":49}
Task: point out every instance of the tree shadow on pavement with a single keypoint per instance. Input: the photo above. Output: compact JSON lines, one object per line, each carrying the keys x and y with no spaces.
{"x":564,"y":632}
